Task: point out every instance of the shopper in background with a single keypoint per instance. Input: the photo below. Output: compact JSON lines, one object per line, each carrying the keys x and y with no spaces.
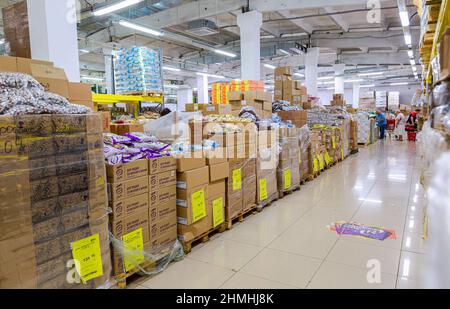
{"x":381,"y":123}
{"x":400,"y":124}
{"x":411,"y":123}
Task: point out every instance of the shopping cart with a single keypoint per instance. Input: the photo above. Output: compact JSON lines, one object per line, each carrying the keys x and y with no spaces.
{"x":412,"y":133}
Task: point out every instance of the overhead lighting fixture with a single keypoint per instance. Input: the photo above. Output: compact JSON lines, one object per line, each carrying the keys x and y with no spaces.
{"x":99,"y":79}
{"x":325,"y":77}
{"x":354,"y":80}
{"x":299,"y":75}
{"x":85,"y":51}
{"x":209,"y":75}
{"x":399,"y":84}
{"x":171,"y":86}
{"x":269,"y":66}
{"x":330,"y":88}
{"x":140,"y":28}
{"x":225,"y":53}
{"x":115,"y":7}
{"x":410,"y":54}
{"x":371,"y":74}
{"x":367,"y":86}
{"x":171,"y":69}
{"x":284,"y":52}
{"x":408,"y":40}
{"x":404,"y":17}
{"x":327,"y":83}
{"x":413,"y":62}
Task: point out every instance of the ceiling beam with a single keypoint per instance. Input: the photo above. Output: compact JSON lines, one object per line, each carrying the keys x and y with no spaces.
{"x":338,"y":19}
{"x":301,"y":23}
{"x":271,"y":5}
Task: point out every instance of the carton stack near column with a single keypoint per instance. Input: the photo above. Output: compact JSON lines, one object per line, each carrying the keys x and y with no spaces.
{"x":53,"y":199}
{"x":16,"y":28}
{"x":338,"y":100}
{"x":261,"y":101}
{"x":219,"y":170}
{"x":317,"y":150}
{"x":234,"y":189}
{"x":298,"y":118}
{"x":306,"y":168}
{"x":287,"y":89}
{"x":288,"y":171}
{"x":266,"y":167}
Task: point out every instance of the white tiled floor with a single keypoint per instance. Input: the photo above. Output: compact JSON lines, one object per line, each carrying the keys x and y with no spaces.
{"x":288,"y":245}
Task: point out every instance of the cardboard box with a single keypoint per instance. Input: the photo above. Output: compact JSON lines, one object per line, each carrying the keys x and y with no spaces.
{"x":126,"y":189}
{"x":217,"y":109}
{"x":51,"y":78}
{"x":162,"y":196}
{"x":267,"y":106}
{"x":8,"y":64}
{"x":167,"y":233}
{"x":127,"y":171}
{"x":216,"y":156}
{"x":193,"y":178}
{"x":121,"y":129}
{"x":283,"y":78}
{"x":161,"y":165}
{"x":191,"y":161}
{"x":233,"y":209}
{"x":106,"y":120}
{"x":218,"y":171}
{"x":444,"y":53}
{"x":129,"y":206}
{"x":128,"y":224}
{"x":191,"y":204}
{"x":192,"y":231}
{"x":24,"y":65}
{"x":80,"y":92}
{"x":283,"y":71}
{"x":236,"y":106}
{"x":235,"y":96}
{"x":271,"y":186}
{"x":193,"y":107}
{"x":167,"y":209}
{"x":162,"y":180}
{"x":249,"y":168}
{"x":216,"y":189}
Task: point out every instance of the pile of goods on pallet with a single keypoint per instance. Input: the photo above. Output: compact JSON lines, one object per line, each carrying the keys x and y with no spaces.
{"x":286,"y":89}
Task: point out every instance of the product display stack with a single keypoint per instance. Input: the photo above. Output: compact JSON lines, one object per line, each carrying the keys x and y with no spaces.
{"x":363,"y":126}
{"x":367,"y":100}
{"x":288,"y":170}
{"x":305,"y":158}
{"x":219,"y":93}
{"x":16,"y":28}
{"x":338,"y":100}
{"x":287,"y":89}
{"x":317,"y":150}
{"x":266,"y":167}
{"x":246,"y":85}
{"x":259,"y":100}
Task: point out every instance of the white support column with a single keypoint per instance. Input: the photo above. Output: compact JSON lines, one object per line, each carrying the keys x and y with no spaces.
{"x":311,"y":70}
{"x":184,"y":96}
{"x":202,"y":86}
{"x":250,"y":24}
{"x":339,"y":79}
{"x":356,"y":90}
{"x":109,"y":74}
{"x":53,"y":34}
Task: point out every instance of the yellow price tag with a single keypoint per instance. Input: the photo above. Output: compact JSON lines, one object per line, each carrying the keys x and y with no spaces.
{"x":287,"y":179}
{"x":333,"y":142}
{"x":321,"y":162}
{"x":218,"y":212}
{"x":237,"y":180}
{"x":133,"y":244}
{"x":198,"y":205}
{"x":343,"y":156}
{"x":263,"y":189}
{"x":316,"y":165}
{"x":88,"y":257}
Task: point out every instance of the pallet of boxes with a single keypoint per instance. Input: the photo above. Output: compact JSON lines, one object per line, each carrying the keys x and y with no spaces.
{"x":317,"y":151}
{"x":338,"y":100}
{"x":288,"y":171}
{"x":142,"y":197}
{"x":259,"y":100}
{"x":287,"y":89}
{"x":305,"y":157}
{"x":200,"y":196}
{"x":53,"y":212}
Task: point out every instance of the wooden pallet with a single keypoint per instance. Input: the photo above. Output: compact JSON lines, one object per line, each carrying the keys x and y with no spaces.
{"x":283,"y":193}
{"x":307,"y":178}
{"x":240,"y":217}
{"x":354,"y":151}
{"x":268,"y":202}
{"x":187,"y":245}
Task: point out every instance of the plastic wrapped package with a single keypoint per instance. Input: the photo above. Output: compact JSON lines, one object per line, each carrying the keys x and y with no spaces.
{"x":441,"y":93}
{"x":53,"y":200}
{"x":137,"y":69}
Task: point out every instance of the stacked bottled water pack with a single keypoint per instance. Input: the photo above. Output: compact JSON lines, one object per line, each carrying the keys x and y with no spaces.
{"x":137,"y":69}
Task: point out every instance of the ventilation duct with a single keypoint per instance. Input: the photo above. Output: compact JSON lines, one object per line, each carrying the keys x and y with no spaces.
{"x":202,"y":27}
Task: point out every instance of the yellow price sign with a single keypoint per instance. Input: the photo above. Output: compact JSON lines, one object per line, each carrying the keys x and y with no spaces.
{"x":287,"y":179}
{"x":321,"y":162}
{"x":198,"y":205}
{"x":88,"y":257}
{"x":237,"y":180}
{"x":327,"y":158}
{"x":133,"y":244}
{"x":316,"y":165}
{"x":343,"y":156}
{"x":333,"y":142}
{"x":218,"y":212}
{"x":263,"y":189}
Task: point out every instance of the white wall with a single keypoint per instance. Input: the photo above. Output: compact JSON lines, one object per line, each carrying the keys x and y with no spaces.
{"x":406,"y":93}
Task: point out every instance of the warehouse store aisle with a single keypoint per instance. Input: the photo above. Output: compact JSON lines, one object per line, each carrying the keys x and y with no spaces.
{"x":288,"y":244}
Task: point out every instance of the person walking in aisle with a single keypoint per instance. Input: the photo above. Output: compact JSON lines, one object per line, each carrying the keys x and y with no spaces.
{"x":400,"y":125}
{"x":381,"y":123}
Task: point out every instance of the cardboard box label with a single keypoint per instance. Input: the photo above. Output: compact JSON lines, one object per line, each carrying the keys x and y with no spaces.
{"x":134,"y":245}
{"x":287,"y":179}
{"x":218,"y":218}
{"x":198,"y":205}
{"x":237,"y":179}
{"x":263,"y":189}
{"x":88,"y":257}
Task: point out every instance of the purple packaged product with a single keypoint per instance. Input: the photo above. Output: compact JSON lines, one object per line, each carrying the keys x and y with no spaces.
{"x":363,"y":231}
{"x":141,"y":137}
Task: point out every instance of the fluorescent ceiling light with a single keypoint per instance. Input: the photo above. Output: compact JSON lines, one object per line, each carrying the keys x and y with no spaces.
{"x":299,"y":75}
{"x":115,"y":7}
{"x":410,"y":54}
{"x":398,"y":84}
{"x":404,"y":17}
{"x":368,"y":86}
{"x":370,"y":74}
{"x":225,"y":53}
{"x":210,"y":75}
{"x":284,"y":52}
{"x":330,"y":88}
{"x":412,"y":61}
{"x":171,"y":86}
{"x":327,"y":83}
{"x":84,"y":51}
{"x":269,"y":66}
{"x":325,"y":77}
{"x":92,"y":78}
{"x":354,"y":80}
{"x":408,"y":39}
{"x":140,"y":28}
{"x":171,"y":69}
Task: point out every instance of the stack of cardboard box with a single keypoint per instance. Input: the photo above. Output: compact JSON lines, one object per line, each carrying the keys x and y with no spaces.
{"x":287,"y":89}
{"x":354,"y":135}
{"x":249,"y":184}
{"x":234,"y":189}
{"x":16,"y":28}
{"x":246,"y":85}
{"x":219,"y":93}
{"x":121,"y":129}
{"x":143,"y":196}
{"x":317,"y":149}
{"x":444,"y":53}
{"x":298,"y":118}
{"x":266,"y":166}
{"x":53,"y":196}
{"x":261,"y":101}
{"x":288,"y":171}
{"x":338,"y":100}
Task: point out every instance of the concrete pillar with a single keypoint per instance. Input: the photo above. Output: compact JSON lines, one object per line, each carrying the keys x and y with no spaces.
{"x":339,"y":79}
{"x":109,"y":74}
{"x":250,"y":24}
{"x":311,"y":70}
{"x":53,"y":34}
{"x":184,"y":96}
{"x":202,"y":86}
{"x":356,"y":90}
